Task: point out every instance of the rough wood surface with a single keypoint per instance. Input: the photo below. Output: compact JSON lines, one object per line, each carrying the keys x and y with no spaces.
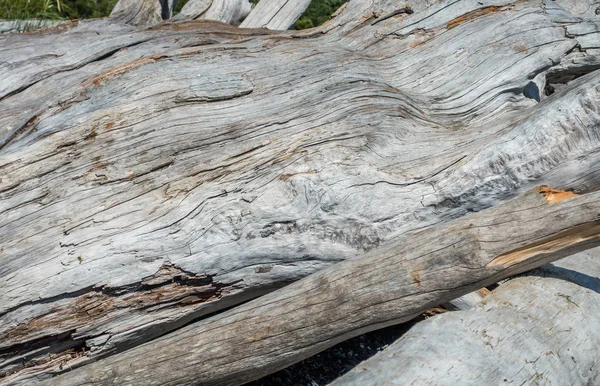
{"x":537,"y":329}
{"x":11,"y":26}
{"x":141,"y":13}
{"x":150,"y":177}
{"x":389,"y":285}
{"x":275,"y":14}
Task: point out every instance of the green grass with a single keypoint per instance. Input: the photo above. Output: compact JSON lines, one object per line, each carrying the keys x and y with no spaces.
{"x":317,"y":13}
{"x":55,"y":9}
{"x":28,"y":9}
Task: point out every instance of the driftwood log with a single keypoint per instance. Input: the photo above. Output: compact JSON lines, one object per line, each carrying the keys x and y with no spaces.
{"x":151,"y":176}
{"x":389,"y":285}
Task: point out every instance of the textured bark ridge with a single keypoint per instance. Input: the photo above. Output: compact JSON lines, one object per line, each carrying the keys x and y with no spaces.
{"x":152,"y":176}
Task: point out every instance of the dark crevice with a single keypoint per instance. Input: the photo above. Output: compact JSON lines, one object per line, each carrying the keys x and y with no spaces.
{"x":401,"y":11}
{"x":182,"y":277}
{"x":51,"y":299}
{"x":208,"y":99}
{"x":559,"y":79}
{"x":492,"y":287}
{"x":40,"y":351}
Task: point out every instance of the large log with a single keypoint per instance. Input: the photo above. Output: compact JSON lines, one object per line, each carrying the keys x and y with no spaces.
{"x":150,"y":177}
{"x":390,"y":285}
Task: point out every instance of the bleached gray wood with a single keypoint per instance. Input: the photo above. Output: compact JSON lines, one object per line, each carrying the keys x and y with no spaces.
{"x":589,"y":8}
{"x":389,"y":285}
{"x":228,"y":11}
{"x":145,"y":13}
{"x":537,"y":329}
{"x":275,"y":14}
{"x":150,"y":177}
{"x":10,"y":26}
{"x":140,"y":13}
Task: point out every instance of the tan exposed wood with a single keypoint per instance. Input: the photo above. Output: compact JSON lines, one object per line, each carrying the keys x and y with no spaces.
{"x":569,"y":238}
{"x":555,"y":195}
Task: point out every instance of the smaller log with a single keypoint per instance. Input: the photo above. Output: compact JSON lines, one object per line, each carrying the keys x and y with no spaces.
{"x":226,"y":11}
{"x":193,"y":9}
{"x":25,"y":25}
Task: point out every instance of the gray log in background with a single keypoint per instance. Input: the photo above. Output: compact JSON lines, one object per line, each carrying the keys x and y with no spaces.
{"x":150,"y":177}
{"x":538,"y":329}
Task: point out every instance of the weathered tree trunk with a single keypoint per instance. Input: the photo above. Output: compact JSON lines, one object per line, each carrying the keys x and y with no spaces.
{"x":150,"y":177}
{"x":389,"y":285}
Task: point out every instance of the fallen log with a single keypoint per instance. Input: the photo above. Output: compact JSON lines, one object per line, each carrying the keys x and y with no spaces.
{"x":151,"y":177}
{"x":145,"y":13}
{"x":390,"y":285}
{"x":537,"y":329}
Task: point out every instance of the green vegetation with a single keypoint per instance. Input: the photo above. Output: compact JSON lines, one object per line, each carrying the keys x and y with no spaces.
{"x":317,"y":13}
{"x":55,"y":9}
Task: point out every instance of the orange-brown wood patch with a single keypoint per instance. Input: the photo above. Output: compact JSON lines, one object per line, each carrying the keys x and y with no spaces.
{"x":553,"y":196}
{"x":560,"y":241}
{"x":472,"y":15}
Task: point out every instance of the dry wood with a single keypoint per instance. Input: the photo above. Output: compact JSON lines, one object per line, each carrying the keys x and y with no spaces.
{"x":391,"y":284}
{"x":150,"y":177}
{"x":9,"y":26}
{"x":537,"y":329}
{"x":145,"y":13}
{"x":141,"y":13}
{"x":275,"y":14}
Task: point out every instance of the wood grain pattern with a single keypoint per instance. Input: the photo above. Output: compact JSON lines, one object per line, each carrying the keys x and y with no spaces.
{"x":150,"y":177}
{"x":390,"y":285}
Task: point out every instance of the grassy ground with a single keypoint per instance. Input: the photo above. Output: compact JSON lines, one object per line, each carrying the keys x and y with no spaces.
{"x":55,"y":9}
{"x":317,"y":13}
